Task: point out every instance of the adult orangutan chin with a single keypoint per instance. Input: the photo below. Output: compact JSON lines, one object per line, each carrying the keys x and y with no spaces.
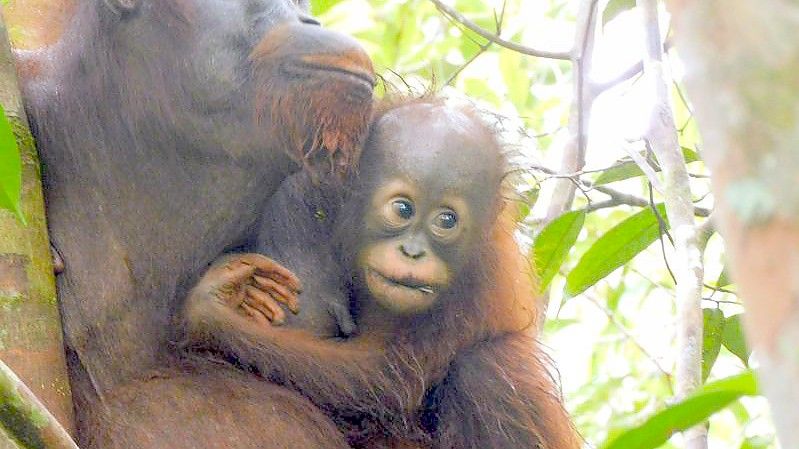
{"x":164,"y":125}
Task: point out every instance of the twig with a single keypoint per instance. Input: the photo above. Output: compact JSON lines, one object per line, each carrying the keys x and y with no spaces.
{"x":523,"y":49}
{"x":663,"y":231}
{"x":26,"y":419}
{"x":630,"y":72}
{"x":642,"y":163}
{"x":498,"y":21}
{"x":623,"y":329}
{"x":620,"y":197}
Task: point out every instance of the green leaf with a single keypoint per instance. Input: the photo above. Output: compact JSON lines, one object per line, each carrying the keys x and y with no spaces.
{"x":625,"y":168}
{"x":690,"y":155}
{"x":616,"y":7}
{"x":712,"y":329}
{"x":526,"y":202}
{"x":621,"y":170}
{"x":517,"y":79}
{"x":757,"y":442}
{"x":613,"y":249}
{"x":552,"y":245}
{"x":685,"y":414}
{"x":319,"y":7}
{"x":733,"y":338}
{"x":556,"y":324}
{"x":724,"y":278}
{"x":10,"y":169}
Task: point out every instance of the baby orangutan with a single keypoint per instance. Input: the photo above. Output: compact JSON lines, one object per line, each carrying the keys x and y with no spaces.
{"x":445,"y":353}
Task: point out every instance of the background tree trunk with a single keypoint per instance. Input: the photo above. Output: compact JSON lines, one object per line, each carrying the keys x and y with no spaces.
{"x":30,"y":325}
{"x":742,"y":61}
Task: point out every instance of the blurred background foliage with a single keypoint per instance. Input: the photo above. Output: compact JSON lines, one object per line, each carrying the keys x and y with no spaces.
{"x":611,"y":311}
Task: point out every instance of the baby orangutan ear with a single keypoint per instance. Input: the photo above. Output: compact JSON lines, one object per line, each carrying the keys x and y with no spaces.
{"x":123,"y":7}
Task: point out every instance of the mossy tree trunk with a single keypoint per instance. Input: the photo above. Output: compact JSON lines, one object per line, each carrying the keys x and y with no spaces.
{"x":742,"y":76}
{"x":30,"y":326}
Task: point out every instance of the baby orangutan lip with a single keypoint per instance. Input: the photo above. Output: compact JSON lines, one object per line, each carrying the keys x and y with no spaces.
{"x":406,"y":282}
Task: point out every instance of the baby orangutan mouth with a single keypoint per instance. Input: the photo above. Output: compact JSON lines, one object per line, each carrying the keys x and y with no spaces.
{"x":407,"y":283}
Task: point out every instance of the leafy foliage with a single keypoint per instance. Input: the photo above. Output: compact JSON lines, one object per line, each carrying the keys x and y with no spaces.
{"x":553,"y":244}
{"x":713,"y":326}
{"x":615,"y":248}
{"x":687,"y":413}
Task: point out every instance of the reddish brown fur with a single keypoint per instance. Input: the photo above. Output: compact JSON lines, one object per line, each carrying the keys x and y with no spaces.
{"x":467,"y":374}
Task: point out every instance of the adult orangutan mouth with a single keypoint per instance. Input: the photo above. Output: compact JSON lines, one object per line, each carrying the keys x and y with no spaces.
{"x":365,"y":78}
{"x":408,"y":282}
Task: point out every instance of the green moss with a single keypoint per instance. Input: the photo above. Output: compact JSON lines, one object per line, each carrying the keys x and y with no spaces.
{"x":11,"y":301}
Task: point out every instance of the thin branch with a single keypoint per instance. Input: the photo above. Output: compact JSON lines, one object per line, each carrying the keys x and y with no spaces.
{"x":663,"y":231}
{"x":643,"y":164}
{"x":616,"y":195}
{"x":661,"y":138}
{"x":523,"y":49}
{"x":631,"y":338}
{"x":25,"y":418}
{"x":634,"y":70}
{"x":498,"y":21}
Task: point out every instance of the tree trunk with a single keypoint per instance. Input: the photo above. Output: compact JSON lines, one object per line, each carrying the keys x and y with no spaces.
{"x":742,"y":61}
{"x":30,"y":325}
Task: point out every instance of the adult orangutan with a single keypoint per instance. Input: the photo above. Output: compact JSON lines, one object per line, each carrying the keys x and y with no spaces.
{"x":163,"y":126}
{"x":444,"y":355}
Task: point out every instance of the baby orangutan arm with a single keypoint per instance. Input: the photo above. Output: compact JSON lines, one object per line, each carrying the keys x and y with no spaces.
{"x":350,"y":376}
{"x":252,"y":284}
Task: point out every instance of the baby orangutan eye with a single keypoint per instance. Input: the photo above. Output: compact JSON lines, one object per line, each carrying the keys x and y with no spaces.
{"x":446,"y":220}
{"x":403,"y":208}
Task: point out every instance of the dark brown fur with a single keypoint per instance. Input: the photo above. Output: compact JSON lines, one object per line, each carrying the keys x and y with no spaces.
{"x":466,"y":374}
{"x":154,"y":164}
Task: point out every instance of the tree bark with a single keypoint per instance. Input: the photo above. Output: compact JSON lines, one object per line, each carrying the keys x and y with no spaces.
{"x":661,"y":137}
{"x":30,"y":325}
{"x":742,"y":61}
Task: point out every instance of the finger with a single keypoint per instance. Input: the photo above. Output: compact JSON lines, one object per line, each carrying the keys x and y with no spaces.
{"x":256,"y":315}
{"x":269,"y":268}
{"x":237,"y":273}
{"x":234,"y":300}
{"x":279,"y":292}
{"x":265,"y":302}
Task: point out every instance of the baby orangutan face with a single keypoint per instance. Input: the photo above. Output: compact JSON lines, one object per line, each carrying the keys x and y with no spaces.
{"x":433,"y":179}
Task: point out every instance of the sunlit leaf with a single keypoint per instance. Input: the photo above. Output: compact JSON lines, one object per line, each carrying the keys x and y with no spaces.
{"x":526,"y":202}
{"x":616,"y":7}
{"x":758,"y":442}
{"x":553,"y":243}
{"x":613,"y":249}
{"x":694,"y":410}
{"x":10,"y":168}
{"x":712,"y":329}
{"x":557,"y":324}
{"x":734,"y":340}
{"x":724,"y":278}
{"x":321,"y":6}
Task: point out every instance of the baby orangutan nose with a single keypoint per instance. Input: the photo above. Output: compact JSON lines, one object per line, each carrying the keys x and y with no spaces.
{"x":412,"y":249}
